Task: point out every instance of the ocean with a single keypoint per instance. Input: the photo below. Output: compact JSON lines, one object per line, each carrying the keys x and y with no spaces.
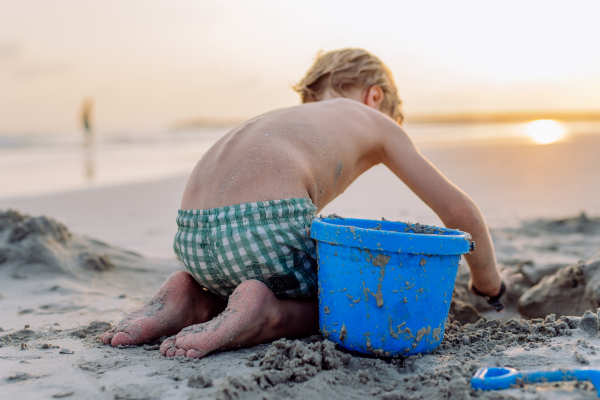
{"x":499,"y":165}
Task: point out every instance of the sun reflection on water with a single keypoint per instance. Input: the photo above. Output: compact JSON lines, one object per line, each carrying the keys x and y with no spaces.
{"x":545,"y":131}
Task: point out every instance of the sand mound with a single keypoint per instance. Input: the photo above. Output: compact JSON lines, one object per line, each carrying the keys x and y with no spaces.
{"x":570,"y":291}
{"x":43,"y":245}
{"x":463,"y":312}
{"x":492,"y":335}
{"x":285,"y":361}
{"x":94,"y":328}
{"x":295,"y":361}
{"x":579,"y":224}
{"x":543,"y":264}
{"x":27,"y":337}
{"x":16,"y":339}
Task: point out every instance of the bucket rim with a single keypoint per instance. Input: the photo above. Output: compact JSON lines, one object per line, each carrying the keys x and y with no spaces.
{"x":454,"y":242}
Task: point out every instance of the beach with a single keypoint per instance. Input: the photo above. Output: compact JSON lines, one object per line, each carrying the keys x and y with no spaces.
{"x":107,"y":109}
{"x":87,"y":256}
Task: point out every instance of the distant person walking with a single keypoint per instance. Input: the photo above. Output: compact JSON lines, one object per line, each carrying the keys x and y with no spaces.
{"x":88,"y":136}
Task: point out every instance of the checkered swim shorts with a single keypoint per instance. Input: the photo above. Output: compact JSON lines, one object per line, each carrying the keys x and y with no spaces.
{"x":268,"y":241}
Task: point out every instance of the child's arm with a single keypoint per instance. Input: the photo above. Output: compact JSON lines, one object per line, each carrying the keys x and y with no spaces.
{"x":452,"y":205}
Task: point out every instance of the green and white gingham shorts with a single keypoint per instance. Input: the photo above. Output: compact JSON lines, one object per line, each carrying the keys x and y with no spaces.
{"x":268,"y":241}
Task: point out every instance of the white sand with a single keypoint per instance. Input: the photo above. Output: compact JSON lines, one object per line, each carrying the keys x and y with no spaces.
{"x":140,"y":217}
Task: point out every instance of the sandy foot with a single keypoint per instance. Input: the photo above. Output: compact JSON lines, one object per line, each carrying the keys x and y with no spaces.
{"x":180,"y":302}
{"x":251,"y":317}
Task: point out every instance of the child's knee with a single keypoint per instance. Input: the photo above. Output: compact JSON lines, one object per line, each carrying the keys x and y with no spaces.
{"x":180,"y":275}
{"x":254,"y":288}
{"x":181,"y":278}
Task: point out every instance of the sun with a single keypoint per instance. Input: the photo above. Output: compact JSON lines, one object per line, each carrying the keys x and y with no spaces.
{"x":545,"y":131}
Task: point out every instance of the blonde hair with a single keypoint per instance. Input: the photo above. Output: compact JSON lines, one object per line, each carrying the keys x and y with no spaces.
{"x":345,"y":68}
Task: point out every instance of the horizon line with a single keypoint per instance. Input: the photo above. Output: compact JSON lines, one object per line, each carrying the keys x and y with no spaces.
{"x":432,"y":118}
{"x":502,"y":117}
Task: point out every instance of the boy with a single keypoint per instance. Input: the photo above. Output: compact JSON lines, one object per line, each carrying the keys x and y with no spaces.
{"x":249,"y":203}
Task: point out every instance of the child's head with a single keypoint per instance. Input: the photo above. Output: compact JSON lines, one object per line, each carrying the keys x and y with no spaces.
{"x":342,"y":71}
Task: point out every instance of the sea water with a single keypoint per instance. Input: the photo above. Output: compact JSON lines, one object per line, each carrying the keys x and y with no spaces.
{"x":510,"y":177}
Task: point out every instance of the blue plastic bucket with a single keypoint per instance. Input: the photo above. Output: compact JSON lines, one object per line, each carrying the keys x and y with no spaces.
{"x":385,"y":287}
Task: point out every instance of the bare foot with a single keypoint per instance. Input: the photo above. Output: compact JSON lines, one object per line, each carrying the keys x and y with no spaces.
{"x":180,"y":302}
{"x":253,"y":315}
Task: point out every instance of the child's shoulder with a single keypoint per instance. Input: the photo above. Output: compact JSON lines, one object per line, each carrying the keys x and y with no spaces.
{"x":348,"y":110}
{"x":361,"y":117}
{"x":340,"y":103}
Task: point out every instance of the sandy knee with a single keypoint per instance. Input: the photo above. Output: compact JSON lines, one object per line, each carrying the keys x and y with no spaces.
{"x":181,"y":284}
{"x":181,"y":277}
{"x":264,"y":302}
{"x":253,"y":288}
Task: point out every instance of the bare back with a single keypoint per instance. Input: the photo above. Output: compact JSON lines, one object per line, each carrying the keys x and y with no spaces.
{"x":315,"y":151}
{"x":311,"y":151}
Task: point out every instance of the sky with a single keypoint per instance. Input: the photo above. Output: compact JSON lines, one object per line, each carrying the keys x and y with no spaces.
{"x":149,"y":64}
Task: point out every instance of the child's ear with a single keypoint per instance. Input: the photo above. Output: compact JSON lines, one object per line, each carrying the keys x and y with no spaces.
{"x":374,"y":97}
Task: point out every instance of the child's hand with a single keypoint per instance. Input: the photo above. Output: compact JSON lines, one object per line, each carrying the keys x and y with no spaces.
{"x":494,"y":301}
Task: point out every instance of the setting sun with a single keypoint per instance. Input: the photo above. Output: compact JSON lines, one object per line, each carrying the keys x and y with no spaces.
{"x":545,"y":131}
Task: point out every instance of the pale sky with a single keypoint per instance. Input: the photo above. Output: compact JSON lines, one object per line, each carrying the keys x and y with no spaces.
{"x":149,"y":64}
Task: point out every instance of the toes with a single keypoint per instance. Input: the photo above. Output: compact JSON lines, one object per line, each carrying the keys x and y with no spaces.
{"x":194,"y":354}
{"x":168,"y":348}
{"x":166,"y":345}
{"x":171,"y":352}
{"x":107,"y":337}
{"x":123,"y":339}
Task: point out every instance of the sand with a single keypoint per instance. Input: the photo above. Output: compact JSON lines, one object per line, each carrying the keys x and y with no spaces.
{"x":84,"y":259}
{"x":65,"y":289}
